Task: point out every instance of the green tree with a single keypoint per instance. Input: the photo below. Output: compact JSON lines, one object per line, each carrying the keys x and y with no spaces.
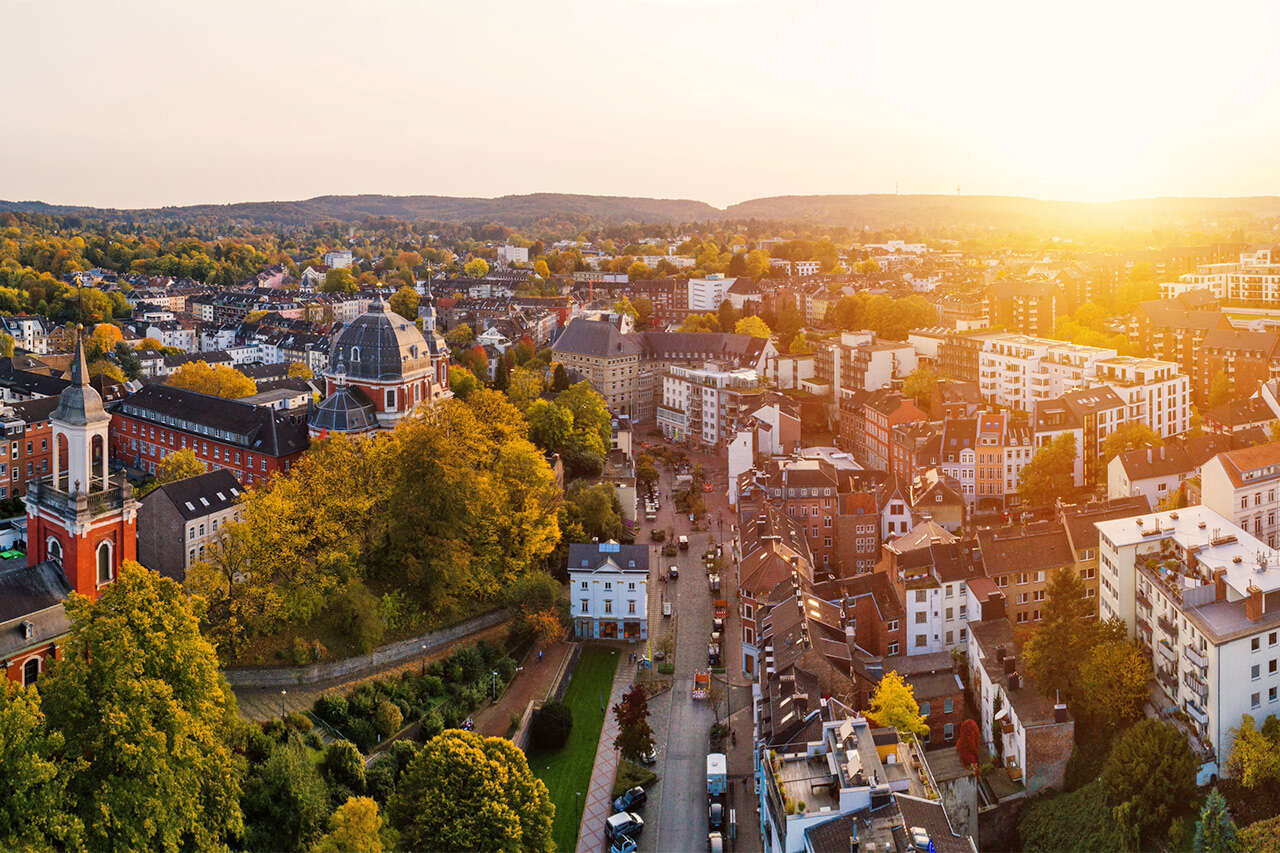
{"x":1216,"y":831}
{"x":1051,"y":472}
{"x":476,"y":268}
{"x":800,"y":345}
{"x":634,"y":737}
{"x":550,"y":424}
{"x":179,"y":465}
{"x":1255,"y":756}
{"x":920,"y":386}
{"x":559,"y":378}
{"x":644,"y":311}
{"x":405,"y":302}
{"x":1062,"y":642}
{"x":285,"y":801}
{"x":589,"y":410}
{"x":35,"y":812}
{"x":595,"y":510}
{"x":343,"y":765}
{"x":894,"y":704}
{"x":355,"y":827}
{"x":1152,"y":771}
{"x":338,"y":281}
{"x":140,"y":695}
{"x":524,"y":385}
{"x":127,"y":358}
{"x":1130,"y":436}
{"x":459,"y":335}
{"x":752,"y":326}
{"x":1113,"y":684}
{"x":728,"y":316}
{"x":6,"y":345}
{"x":1220,"y":389}
{"x":462,"y":382}
{"x":538,"y":607}
{"x":467,"y":792}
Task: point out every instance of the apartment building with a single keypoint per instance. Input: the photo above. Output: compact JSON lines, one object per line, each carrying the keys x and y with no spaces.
{"x":1253,"y":281}
{"x":608,"y":588}
{"x":179,"y":521}
{"x":1155,"y":393}
{"x":1099,"y":412}
{"x":1202,"y":597}
{"x":1156,"y":473}
{"x":1021,"y":559}
{"x":880,"y":412}
{"x":1016,"y":371}
{"x":985,"y":454}
{"x":929,"y":568}
{"x":773,"y":562}
{"x":1169,"y":332}
{"x":707,"y":404}
{"x":1242,"y":485}
{"x":706,"y":294}
{"x":1247,"y":359}
{"x":1025,"y":307}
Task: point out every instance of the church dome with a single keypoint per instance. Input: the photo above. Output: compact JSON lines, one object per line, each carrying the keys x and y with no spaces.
{"x":381,"y":346}
{"x":347,"y":409}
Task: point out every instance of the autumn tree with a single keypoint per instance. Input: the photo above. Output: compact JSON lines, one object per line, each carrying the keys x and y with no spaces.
{"x":467,"y":792}
{"x":920,"y":386}
{"x":459,"y":335}
{"x":644,"y":311}
{"x":35,"y":811}
{"x":634,"y":737}
{"x":753,"y":327}
{"x":700,"y":323}
{"x":462,"y":382}
{"x":894,"y":704}
{"x":6,"y":345}
{"x":624,"y":306}
{"x":1149,"y":775}
{"x":538,"y":606}
{"x":338,"y":281}
{"x":592,"y":512}
{"x":1113,"y":682}
{"x":646,"y":470}
{"x":1255,"y":756}
{"x":405,"y":303}
{"x":1130,"y":436}
{"x":102,"y":340}
{"x":1220,"y":389}
{"x":1051,"y":472}
{"x":800,"y":345}
{"x":969,"y":744}
{"x":476,"y":268}
{"x":299,"y":370}
{"x":218,"y":380}
{"x":355,"y":827}
{"x":139,"y":694}
{"x":179,"y":465}
{"x":524,"y":385}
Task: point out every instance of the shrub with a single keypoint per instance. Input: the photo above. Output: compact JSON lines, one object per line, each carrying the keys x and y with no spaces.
{"x":343,"y":765}
{"x":258,"y":745}
{"x":363,"y":734}
{"x":471,"y":698}
{"x":430,"y":686}
{"x":550,"y":726}
{"x":387,"y":718}
{"x":658,"y":535}
{"x":432,"y":725}
{"x":506,"y":669}
{"x":1056,"y":823}
{"x":275,"y":730}
{"x":312,"y":740}
{"x":470,"y":662}
{"x":380,"y":779}
{"x":298,"y":721}
{"x":451,"y":716}
{"x":332,"y":708}
{"x":362,"y":700}
{"x":402,"y":752}
{"x":300,"y":651}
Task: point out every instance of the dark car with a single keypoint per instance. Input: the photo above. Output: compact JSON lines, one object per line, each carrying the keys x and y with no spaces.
{"x":635,"y":798}
{"x":623,"y":823}
{"x":715,"y":814}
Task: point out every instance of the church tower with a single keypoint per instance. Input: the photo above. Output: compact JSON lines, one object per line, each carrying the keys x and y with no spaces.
{"x":79,"y":518}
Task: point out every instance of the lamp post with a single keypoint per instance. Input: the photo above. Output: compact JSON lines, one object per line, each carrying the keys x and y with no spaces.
{"x":282,"y":695}
{"x":495,"y":685}
{"x":424,"y":659}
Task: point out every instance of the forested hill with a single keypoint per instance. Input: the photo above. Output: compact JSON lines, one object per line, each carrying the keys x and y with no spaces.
{"x":852,"y":211}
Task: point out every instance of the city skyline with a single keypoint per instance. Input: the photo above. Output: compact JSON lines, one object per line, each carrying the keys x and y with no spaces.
{"x":149,"y":105}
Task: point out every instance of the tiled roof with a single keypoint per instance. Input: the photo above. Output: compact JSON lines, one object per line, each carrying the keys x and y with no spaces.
{"x":201,"y":495}
{"x":1025,"y":548}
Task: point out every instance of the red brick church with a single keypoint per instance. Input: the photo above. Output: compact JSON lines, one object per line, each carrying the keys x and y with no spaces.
{"x":81,"y":524}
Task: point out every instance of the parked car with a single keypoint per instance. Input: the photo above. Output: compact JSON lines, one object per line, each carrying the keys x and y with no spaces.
{"x":650,"y":756}
{"x":674,"y":572}
{"x":715,"y":815}
{"x":633,"y":798}
{"x":623,"y":823}
{"x":715,"y":842}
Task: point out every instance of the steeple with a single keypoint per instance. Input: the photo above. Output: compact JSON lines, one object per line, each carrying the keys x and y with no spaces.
{"x":80,"y":404}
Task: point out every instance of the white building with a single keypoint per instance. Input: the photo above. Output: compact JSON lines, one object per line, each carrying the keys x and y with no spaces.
{"x":1202,"y":596}
{"x":28,"y":331}
{"x":1154,"y":392}
{"x":513,"y":255}
{"x":706,"y":294}
{"x":338,"y":260}
{"x":1018,"y":370}
{"x":609,"y":590}
{"x":706,"y":404}
{"x":1253,"y":280}
{"x":1242,"y":485}
{"x":170,"y":333}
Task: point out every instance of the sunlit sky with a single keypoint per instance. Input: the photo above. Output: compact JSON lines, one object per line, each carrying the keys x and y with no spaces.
{"x":131,"y":104}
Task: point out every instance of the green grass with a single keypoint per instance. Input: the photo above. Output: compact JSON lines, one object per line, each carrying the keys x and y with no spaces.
{"x":568,"y":771}
{"x":631,"y":774}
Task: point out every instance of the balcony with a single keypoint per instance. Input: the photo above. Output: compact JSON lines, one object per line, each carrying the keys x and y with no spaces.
{"x":1143,"y":600}
{"x":1167,"y":652}
{"x":1196,"y":685}
{"x":1196,"y":656}
{"x":1168,"y":680}
{"x":1168,"y":627}
{"x":1196,"y":713}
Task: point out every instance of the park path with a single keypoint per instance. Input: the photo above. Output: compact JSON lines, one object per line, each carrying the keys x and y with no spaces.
{"x":599,"y":800}
{"x":533,"y":681}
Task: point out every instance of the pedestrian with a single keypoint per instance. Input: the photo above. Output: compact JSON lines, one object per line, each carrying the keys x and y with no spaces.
{"x":539,"y":655}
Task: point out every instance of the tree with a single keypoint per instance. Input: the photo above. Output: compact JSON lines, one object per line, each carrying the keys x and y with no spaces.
{"x":1219,"y":389}
{"x":285,"y":801}
{"x":894,"y":704}
{"x":551,"y":725}
{"x":462,"y":382}
{"x":590,"y":413}
{"x":218,"y":380}
{"x":559,"y":378}
{"x":103,"y":340}
{"x":752,"y":326}
{"x":644,"y":311}
{"x":1113,"y":682}
{"x":538,"y":607}
{"x":138,"y":693}
{"x":128,"y":360}
{"x":459,"y":335}
{"x":624,"y":306}
{"x":299,"y":370}
{"x":476,"y":268}
{"x":594,"y":512}
{"x":800,"y":345}
{"x":634,"y":737}
{"x":1060,"y":645}
{"x":727,"y":316}
{"x":550,"y":424}
{"x":405,"y":302}
{"x":541,"y":270}
{"x":179,"y":465}
{"x":1130,"y":436}
{"x":1255,"y":757}
{"x":524,"y":384}
{"x":968,"y":745}
{"x":1152,"y":770}
{"x":467,"y":792}
{"x":103,"y":367}
{"x":355,"y":827}
{"x":920,"y":386}
{"x":343,"y":765}
{"x":1216,"y":831}
{"x":6,"y":345}
{"x":1051,"y":472}
{"x":646,"y":470}
{"x":35,"y":812}
{"x":338,"y":281}
{"x":700,"y":323}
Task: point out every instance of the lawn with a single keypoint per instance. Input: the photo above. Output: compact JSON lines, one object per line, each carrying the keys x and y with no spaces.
{"x":568,"y":772}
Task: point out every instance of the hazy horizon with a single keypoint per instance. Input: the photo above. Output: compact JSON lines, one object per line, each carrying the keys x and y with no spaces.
{"x":147,"y":104}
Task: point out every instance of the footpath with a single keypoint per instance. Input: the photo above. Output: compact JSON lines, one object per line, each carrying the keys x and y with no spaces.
{"x":532,"y":682}
{"x":599,"y":801}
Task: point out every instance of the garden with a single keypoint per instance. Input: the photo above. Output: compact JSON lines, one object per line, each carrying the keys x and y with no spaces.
{"x":567,"y":771}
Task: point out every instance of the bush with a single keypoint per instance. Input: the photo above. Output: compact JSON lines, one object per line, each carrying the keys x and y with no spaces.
{"x":298,"y":722}
{"x":658,"y":535}
{"x":332,"y":708}
{"x":343,"y":764}
{"x":357,"y":614}
{"x":550,"y":726}
{"x":471,"y":698}
{"x":275,"y":730}
{"x":470,"y":662}
{"x":300,"y":651}
{"x":380,"y":779}
{"x":506,"y":669}
{"x":432,"y":725}
{"x":363,"y":734}
{"x":430,"y":686}
{"x":1079,"y":821}
{"x":312,"y":740}
{"x":363,"y":700}
{"x":402,"y":752}
{"x":387,"y":718}
{"x":258,"y":745}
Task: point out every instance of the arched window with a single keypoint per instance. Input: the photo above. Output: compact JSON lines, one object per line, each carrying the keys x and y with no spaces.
{"x":30,"y":671}
{"x":53,"y":548}
{"x":355,"y":353}
{"x":104,"y":562}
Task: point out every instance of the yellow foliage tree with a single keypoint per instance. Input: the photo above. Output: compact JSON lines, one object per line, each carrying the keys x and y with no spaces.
{"x":179,"y":465}
{"x":753,"y":326}
{"x":104,"y":338}
{"x":299,"y":370}
{"x":894,"y":704}
{"x":355,"y":827}
{"x":216,"y":379}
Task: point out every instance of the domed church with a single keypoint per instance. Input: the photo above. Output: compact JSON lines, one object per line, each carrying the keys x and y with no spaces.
{"x":381,"y":368}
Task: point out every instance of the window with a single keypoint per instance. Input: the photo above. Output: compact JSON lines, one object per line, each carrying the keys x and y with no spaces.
{"x":30,"y":671}
{"x":949,"y":640}
{"x":922,"y":640}
{"x":948,"y":705}
{"x":1255,"y":644}
{"x":608,"y":605}
{"x":608,"y":585}
{"x":191,"y":534}
{"x":892,"y":627}
{"x":104,"y":562}
{"x":1255,"y":700}
{"x":948,"y":731}
{"x":921,"y":617}
{"x":631,"y":606}
{"x":1255,"y":672}
{"x":584,"y":585}
{"x":924,"y":709}
{"x":920,"y":596}
{"x":586,"y":606}
{"x":893,"y":648}
{"x":53,"y":548}
{"x":631,"y":586}
{"x":1271,"y":695}
{"x":1271,"y":667}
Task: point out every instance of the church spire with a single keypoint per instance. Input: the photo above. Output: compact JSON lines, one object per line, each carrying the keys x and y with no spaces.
{"x":79,"y":404}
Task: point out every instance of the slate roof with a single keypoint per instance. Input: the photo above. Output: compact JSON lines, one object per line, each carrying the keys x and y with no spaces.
{"x":1239,"y":340}
{"x":201,"y":495}
{"x":256,"y":428}
{"x":592,"y":556}
{"x":379,"y":345}
{"x":1078,"y":519}
{"x":347,"y":409}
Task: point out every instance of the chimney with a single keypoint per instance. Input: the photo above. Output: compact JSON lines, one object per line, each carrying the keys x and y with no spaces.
{"x":1015,"y":681}
{"x":999,"y":654}
{"x":1010,"y":664}
{"x":1060,"y":713}
{"x":1220,"y":584}
{"x":1253,"y":606}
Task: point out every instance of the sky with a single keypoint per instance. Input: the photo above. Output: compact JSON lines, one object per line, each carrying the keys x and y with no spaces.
{"x":141,"y":104}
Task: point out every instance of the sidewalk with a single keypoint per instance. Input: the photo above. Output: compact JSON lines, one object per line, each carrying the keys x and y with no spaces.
{"x":532,"y":682}
{"x":599,"y":802}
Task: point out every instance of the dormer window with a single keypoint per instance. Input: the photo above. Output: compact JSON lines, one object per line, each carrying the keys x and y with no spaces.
{"x":355,"y":353}
{"x":28,"y":629}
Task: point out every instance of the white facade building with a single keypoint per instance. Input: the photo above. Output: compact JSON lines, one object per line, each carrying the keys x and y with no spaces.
{"x":513,"y":255}
{"x":706,"y":404}
{"x":609,"y":590}
{"x":1154,"y":392}
{"x":1243,"y":485}
{"x":1018,"y":370}
{"x":338,"y":260}
{"x":706,"y":294}
{"x":1253,"y":280}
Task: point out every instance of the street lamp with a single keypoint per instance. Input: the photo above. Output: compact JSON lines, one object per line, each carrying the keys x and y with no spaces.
{"x":282,"y":695}
{"x":424,"y":659}
{"x":495,"y":685}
